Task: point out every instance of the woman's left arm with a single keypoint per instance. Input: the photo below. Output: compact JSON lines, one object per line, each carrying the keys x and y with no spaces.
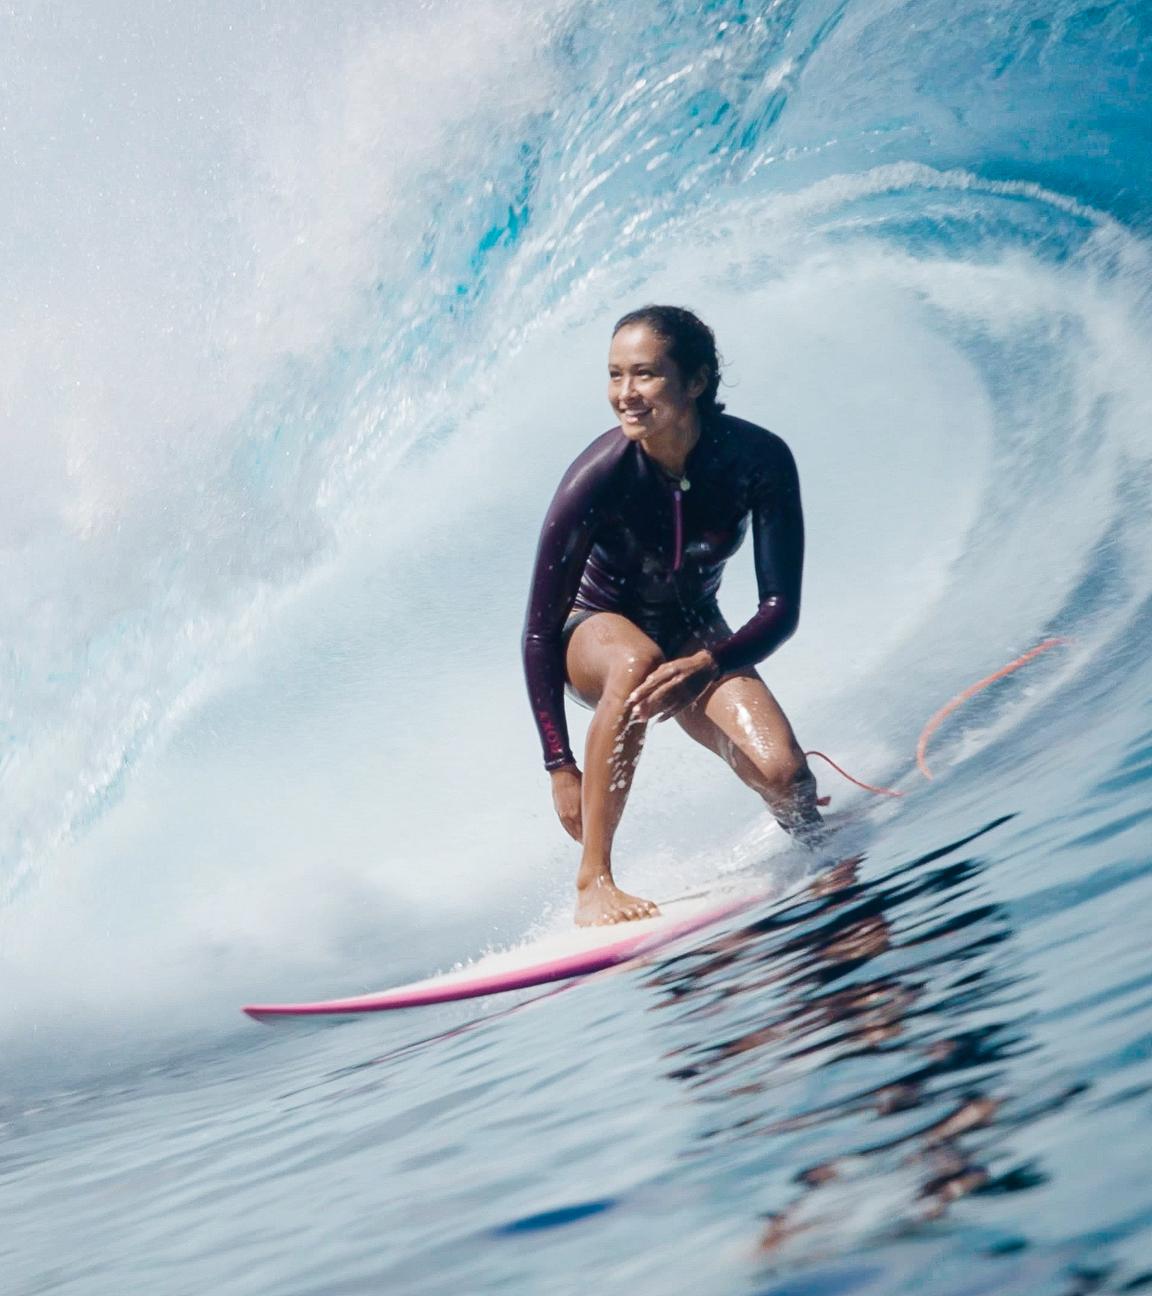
{"x":778,"y":539}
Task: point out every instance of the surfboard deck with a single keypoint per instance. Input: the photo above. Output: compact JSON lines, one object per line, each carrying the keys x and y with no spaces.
{"x":563,"y":956}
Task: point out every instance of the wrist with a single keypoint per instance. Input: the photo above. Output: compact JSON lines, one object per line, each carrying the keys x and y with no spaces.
{"x":708,"y":662}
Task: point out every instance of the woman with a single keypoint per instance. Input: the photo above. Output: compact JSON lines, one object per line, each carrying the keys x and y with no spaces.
{"x":623,"y":604}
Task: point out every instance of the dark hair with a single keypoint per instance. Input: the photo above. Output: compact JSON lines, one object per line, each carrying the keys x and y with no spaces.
{"x":691,"y":346}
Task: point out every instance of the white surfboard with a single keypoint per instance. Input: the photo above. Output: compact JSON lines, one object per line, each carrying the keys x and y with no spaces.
{"x":577,"y":952}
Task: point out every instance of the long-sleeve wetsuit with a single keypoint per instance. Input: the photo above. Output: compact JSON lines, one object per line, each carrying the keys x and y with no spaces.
{"x":623,"y":535}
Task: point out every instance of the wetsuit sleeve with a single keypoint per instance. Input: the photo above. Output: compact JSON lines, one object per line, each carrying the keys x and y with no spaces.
{"x":565,"y":542}
{"x":778,"y":540}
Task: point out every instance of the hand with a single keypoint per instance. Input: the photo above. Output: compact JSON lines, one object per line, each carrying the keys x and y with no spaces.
{"x":673,"y":686}
{"x":566,"y":790}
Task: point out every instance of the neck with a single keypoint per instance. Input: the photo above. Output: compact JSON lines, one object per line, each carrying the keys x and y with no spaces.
{"x":671,"y":450}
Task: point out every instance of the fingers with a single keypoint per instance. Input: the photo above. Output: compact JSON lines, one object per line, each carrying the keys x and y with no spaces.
{"x":668,"y":689}
{"x":672,"y":699}
{"x":664,"y":701}
{"x":643,"y":700}
{"x":639,"y":696}
{"x":571,"y":821}
{"x":566,"y":795}
{"x":568,"y":811}
{"x":652,"y":681}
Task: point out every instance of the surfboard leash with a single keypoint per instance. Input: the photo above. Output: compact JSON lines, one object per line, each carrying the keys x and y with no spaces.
{"x":938,"y":718}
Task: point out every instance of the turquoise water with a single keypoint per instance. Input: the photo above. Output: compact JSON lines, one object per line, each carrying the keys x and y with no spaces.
{"x":305,"y":312}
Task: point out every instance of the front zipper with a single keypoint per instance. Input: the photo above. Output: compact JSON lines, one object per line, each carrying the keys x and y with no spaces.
{"x":678,"y":523}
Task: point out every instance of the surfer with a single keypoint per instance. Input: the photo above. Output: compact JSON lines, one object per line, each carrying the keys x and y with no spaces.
{"x":623,"y":607}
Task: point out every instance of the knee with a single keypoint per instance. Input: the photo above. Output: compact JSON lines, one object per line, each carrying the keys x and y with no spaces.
{"x":631,"y":669}
{"x":784,"y":775}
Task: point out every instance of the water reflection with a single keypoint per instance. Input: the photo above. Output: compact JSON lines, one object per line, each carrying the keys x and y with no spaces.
{"x":855,"y":1051}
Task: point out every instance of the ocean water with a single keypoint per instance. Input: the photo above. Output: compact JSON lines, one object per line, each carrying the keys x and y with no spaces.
{"x":305,"y":310}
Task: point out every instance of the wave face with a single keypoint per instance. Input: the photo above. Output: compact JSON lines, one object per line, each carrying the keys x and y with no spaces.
{"x":304,"y":317}
{"x":315,"y":342}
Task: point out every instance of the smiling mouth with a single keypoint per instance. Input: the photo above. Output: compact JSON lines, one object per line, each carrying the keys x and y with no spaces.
{"x":634,"y":416}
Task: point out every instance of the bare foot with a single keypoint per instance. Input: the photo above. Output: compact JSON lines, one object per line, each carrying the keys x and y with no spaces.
{"x":602,"y":902}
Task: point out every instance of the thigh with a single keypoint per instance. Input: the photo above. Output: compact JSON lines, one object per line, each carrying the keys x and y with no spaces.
{"x":607,"y":651}
{"x":740,"y":720}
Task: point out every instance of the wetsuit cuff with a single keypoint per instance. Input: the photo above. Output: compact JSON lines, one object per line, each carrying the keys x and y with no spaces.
{"x":559,"y":762}
{"x":724,"y":667}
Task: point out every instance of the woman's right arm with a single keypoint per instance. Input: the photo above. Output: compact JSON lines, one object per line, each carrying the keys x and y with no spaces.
{"x":565,"y":542}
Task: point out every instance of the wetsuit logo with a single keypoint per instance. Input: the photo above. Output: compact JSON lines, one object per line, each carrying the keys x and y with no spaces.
{"x":551,"y":735}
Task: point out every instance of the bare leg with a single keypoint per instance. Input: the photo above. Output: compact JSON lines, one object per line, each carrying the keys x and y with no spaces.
{"x":740,"y":720}
{"x":607,"y":657}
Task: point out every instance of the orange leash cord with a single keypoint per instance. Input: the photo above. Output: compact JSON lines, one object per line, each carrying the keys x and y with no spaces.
{"x":946,"y":710}
{"x":938,"y":719}
{"x":868,"y":787}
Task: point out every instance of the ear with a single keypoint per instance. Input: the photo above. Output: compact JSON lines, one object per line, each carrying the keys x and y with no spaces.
{"x":698,"y":383}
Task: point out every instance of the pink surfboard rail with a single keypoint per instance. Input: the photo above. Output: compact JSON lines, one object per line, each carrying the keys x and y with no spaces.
{"x":471,"y":983}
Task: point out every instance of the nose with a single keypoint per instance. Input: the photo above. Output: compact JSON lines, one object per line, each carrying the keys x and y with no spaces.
{"x":627,"y":386}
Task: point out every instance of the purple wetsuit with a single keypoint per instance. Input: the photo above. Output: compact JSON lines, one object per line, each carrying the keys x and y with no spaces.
{"x":623,"y":535}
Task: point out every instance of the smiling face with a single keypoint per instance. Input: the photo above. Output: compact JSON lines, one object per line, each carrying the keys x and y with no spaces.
{"x":645,"y":386}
